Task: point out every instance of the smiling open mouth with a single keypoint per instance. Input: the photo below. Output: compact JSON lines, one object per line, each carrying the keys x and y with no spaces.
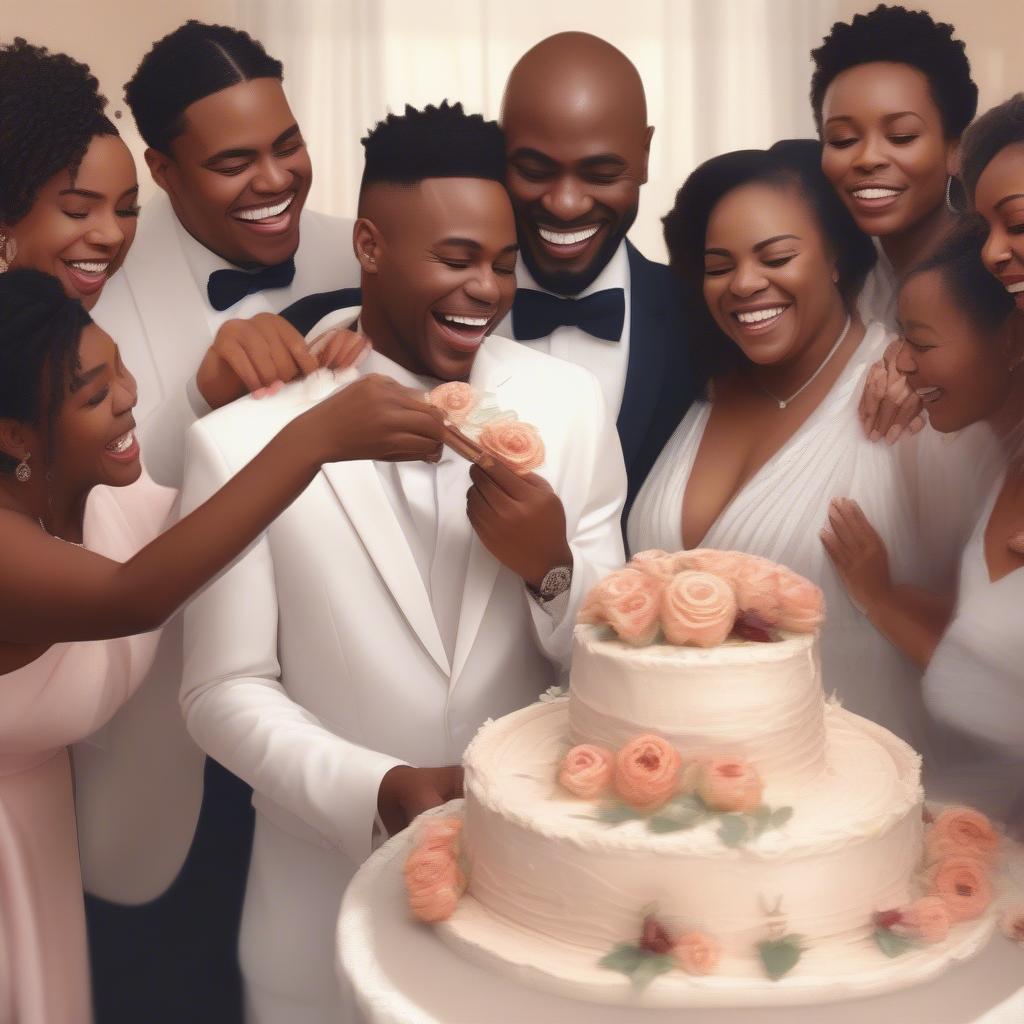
{"x":463,"y":331}
{"x":258,"y":214}
{"x":553,"y":237}
{"x":760,"y":319}
{"x":929,"y":394}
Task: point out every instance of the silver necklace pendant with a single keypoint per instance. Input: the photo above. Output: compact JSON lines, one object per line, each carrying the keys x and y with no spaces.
{"x":784,"y":402}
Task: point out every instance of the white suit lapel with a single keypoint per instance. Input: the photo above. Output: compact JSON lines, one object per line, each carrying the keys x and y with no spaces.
{"x":488,"y":374}
{"x":167,"y":298}
{"x":358,"y":488}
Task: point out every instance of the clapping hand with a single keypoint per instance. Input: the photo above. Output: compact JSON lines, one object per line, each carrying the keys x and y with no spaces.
{"x":519,"y":519}
{"x":858,"y":553}
{"x":888,"y":405}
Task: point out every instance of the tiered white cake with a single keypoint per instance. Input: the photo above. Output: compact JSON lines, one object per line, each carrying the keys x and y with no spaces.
{"x":556,"y":883}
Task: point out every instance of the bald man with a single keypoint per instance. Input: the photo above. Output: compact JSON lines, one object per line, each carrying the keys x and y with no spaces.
{"x":578,"y":143}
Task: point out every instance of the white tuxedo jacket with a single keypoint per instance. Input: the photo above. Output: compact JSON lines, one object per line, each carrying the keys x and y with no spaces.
{"x":139,"y":782}
{"x":315,"y":664}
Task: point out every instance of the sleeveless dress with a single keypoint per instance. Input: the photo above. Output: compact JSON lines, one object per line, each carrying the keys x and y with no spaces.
{"x":778,"y":514}
{"x":66,"y":694}
{"x":975,"y":685}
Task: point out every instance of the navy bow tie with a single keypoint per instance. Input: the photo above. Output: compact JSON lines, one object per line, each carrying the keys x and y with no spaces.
{"x":226,"y":287}
{"x":536,"y":314}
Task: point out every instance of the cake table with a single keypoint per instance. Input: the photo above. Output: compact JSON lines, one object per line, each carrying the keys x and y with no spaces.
{"x":402,"y":972}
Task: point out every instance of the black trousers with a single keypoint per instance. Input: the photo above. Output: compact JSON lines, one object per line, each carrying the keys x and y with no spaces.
{"x":175,"y":960}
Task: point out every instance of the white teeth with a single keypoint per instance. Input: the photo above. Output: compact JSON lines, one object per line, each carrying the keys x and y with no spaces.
{"x":90,"y":266}
{"x":122,"y":444}
{"x":1015,"y":289}
{"x":927,"y":393}
{"x":760,"y":315}
{"x":467,"y":321}
{"x":264,"y":212}
{"x":875,"y":193}
{"x":567,"y":237}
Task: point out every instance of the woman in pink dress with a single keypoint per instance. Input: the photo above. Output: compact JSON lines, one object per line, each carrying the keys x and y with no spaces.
{"x":88,"y":579}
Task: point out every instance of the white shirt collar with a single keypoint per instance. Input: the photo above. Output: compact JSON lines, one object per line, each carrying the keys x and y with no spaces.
{"x":615,"y":274}
{"x":375,"y":362}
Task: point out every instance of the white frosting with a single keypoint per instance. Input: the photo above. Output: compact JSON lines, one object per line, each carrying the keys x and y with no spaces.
{"x":762,"y":701}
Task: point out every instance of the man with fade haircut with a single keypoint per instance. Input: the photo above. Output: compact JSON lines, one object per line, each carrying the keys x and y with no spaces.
{"x":227,"y":237}
{"x":344,"y":663}
{"x":578,"y":144}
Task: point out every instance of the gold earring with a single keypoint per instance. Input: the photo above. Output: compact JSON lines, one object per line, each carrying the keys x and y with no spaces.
{"x":8,"y":251}
{"x":23,"y":472}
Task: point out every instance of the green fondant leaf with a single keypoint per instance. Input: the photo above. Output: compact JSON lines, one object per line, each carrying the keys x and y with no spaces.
{"x":652,"y":966}
{"x":779,"y":956}
{"x":616,"y":814}
{"x":678,"y":814}
{"x":891,"y":945}
{"x":780,"y":816}
{"x":661,"y":823}
{"x":732,"y":829}
{"x":624,"y":958}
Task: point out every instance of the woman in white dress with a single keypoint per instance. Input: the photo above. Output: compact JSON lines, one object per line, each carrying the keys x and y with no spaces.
{"x":964,"y":355}
{"x":755,"y":469}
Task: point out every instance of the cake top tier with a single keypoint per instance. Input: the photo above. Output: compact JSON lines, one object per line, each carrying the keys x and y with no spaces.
{"x":702,"y":598}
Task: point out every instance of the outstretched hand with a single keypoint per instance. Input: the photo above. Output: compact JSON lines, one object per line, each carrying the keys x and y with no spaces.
{"x":260,"y":354}
{"x":858,"y":553}
{"x":888,"y":405}
{"x":519,"y":519}
{"x":406,"y":792}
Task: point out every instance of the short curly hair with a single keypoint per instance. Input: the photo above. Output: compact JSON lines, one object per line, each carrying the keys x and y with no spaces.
{"x":899,"y":36}
{"x":790,"y":163}
{"x":50,"y":110}
{"x":996,"y":129}
{"x":187,"y":65}
{"x":40,"y":329}
{"x":436,"y":142}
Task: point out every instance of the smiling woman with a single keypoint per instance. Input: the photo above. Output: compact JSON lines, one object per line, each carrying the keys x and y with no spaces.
{"x":67,"y":182}
{"x":778,"y":261}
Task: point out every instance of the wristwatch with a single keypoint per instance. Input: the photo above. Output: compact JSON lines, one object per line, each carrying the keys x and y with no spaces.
{"x":556,"y":581}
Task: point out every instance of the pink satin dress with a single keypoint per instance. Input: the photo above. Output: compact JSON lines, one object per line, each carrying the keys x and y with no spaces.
{"x":62,"y":697}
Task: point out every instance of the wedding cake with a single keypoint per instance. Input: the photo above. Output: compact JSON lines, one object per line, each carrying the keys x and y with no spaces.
{"x":693,"y":823}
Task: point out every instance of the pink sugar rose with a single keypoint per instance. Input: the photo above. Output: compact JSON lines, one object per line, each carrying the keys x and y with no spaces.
{"x":635,"y":615}
{"x":756,"y":582}
{"x":926,"y":919}
{"x":696,"y":953}
{"x":802,"y":604}
{"x":518,"y":445}
{"x":440,"y":834}
{"x":1012,"y":923}
{"x":962,"y":830}
{"x":962,"y":884}
{"x":587,"y":771}
{"x":456,"y":400}
{"x":659,"y":564}
{"x":433,"y":883}
{"x":729,"y":784}
{"x":647,"y":772}
{"x":697,"y":608}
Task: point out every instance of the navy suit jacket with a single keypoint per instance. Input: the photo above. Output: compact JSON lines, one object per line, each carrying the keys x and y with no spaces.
{"x":660,"y":378}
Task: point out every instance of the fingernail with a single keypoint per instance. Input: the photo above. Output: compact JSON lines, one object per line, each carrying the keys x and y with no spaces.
{"x":874,"y":435}
{"x":893,"y":435}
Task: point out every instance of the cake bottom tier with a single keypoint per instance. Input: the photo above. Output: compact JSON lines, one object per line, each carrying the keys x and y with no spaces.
{"x":553,"y":890}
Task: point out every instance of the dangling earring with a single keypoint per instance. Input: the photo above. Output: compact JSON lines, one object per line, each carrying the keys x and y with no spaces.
{"x":8,"y":251}
{"x":949,"y":195}
{"x":23,"y":472}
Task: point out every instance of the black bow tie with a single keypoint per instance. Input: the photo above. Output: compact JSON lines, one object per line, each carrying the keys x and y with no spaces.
{"x":226,"y":287}
{"x":536,"y":314}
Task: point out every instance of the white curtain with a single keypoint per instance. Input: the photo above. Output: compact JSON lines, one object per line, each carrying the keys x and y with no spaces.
{"x":719,"y":74}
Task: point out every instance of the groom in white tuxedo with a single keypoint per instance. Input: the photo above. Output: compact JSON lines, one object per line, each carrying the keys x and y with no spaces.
{"x":354,"y":650}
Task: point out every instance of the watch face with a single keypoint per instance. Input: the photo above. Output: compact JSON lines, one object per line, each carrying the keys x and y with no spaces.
{"x":556,"y":581}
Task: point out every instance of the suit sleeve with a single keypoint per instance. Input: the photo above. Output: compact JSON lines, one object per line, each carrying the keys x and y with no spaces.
{"x":236,"y":705}
{"x":592,"y":492}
